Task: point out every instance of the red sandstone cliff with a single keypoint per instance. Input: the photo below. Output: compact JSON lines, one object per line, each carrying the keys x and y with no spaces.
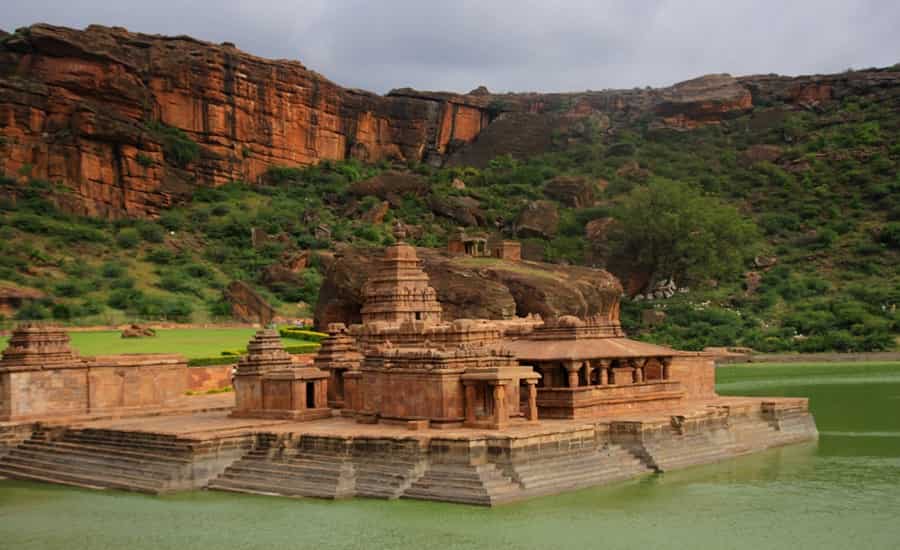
{"x":75,"y":107}
{"x":78,"y":107}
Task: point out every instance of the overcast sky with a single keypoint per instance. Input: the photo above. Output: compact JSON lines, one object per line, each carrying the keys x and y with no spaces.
{"x":513,"y":45}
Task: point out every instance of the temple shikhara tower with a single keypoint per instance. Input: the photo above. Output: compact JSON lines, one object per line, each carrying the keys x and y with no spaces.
{"x":399,"y":290}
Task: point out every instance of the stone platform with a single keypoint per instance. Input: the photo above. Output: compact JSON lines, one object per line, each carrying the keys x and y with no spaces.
{"x":337,"y":457}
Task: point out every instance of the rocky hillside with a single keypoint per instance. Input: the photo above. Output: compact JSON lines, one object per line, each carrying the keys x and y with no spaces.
{"x":130,"y":123}
{"x":198,"y":165}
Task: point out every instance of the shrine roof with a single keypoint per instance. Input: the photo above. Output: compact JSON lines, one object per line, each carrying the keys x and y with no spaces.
{"x":584,"y":348}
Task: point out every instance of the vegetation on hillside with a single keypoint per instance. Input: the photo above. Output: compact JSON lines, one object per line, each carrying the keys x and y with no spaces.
{"x":698,"y":206}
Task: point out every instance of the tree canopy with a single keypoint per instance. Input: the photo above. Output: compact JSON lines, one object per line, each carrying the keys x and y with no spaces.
{"x":666,"y":228}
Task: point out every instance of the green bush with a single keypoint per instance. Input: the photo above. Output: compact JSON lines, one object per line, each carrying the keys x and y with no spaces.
{"x":178,"y":147}
{"x":128,"y":238}
{"x":212,"y":361}
{"x":300,"y":349}
{"x":144,"y":160}
{"x":151,"y":232}
{"x":890,"y":235}
{"x":302,"y":334}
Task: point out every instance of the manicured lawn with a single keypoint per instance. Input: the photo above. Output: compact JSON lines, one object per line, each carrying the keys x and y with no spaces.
{"x":205,"y":342}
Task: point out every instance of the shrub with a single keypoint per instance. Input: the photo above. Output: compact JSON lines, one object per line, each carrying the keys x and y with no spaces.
{"x":32,"y":311}
{"x":161,"y":256}
{"x":144,"y":160}
{"x":112,"y":270}
{"x":890,"y":235}
{"x":128,"y":238}
{"x":178,"y":147}
{"x":299,"y":349}
{"x":151,"y":232}
{"x":302,"y":334}
{"x":172,"y":220}
{"x":212,"y":361}
{"x":125,"y":299}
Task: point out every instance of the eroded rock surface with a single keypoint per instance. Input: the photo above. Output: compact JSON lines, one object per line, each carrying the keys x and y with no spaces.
{"x":84,"y":108}
{"x":474,"y":287}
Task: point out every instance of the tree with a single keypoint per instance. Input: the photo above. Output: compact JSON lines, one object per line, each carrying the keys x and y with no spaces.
{"x":667,"y":228}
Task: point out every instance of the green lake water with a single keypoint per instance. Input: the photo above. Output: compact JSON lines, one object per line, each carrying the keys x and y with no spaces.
{"x":842,"y":492}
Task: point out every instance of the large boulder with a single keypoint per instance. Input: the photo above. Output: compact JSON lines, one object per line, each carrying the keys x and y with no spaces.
{"x":466,"y":289}
{"x":465,"y":211}
{"x":391,"y":186}
{"x":538,"y":219}
{"x":705,"y":100}
{"x":247,"y":304}
{"x":572,"y":191}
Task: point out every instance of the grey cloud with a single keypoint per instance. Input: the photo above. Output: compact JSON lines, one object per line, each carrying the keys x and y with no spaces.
{"x":521,"y":45}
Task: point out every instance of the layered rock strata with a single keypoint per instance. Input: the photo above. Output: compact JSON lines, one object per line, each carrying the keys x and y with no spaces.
{"x":103,"y":112}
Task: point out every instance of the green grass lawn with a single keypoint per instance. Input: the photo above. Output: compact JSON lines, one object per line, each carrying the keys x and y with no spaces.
{"x":200,"y":342}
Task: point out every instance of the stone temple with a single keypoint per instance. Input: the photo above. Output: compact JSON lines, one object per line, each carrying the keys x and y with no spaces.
{"x":405,"y":404}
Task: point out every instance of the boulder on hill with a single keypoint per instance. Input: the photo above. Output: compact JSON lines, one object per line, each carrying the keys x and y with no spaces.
{"x":12,"y":297}
{"x":488,"y":290}
{"x":538,"y":219}
{"x":377,"y":213}
{"x":247,"y":304}
{"x":391,"y":186}
{"x":761,"y":153}
{"x":572,"y":191}
{"x":465,"y":211}
{"x":708,"y":99}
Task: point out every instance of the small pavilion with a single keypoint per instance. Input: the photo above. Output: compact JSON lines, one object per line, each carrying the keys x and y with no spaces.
{"x":588,"y":368}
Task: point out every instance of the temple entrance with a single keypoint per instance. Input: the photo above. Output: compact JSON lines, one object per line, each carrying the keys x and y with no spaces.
{"x":310,"y":395}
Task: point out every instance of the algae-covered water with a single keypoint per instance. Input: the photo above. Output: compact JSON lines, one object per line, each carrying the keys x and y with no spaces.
{"x":843,"y":492}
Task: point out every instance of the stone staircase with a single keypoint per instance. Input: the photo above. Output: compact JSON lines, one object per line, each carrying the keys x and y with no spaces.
{"x":483,"y":484}
{"x":292,"y":472}
{"x":101,"y":459}
{"x":566,"y":472}
{"x":387,"y":476}
{"x":742,"y":436}
{"x":683,"y":451}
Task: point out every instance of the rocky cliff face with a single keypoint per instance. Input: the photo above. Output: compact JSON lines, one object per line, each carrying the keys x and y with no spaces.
{"x":81,"y":107}
{"x":97,"y":111}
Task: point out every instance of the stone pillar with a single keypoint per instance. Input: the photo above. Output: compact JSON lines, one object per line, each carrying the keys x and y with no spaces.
{"x":604,"y":372}
{"x":666,"y":368}
{"x":572,"y":368}
{"x":532,"y":413}
{"x":587,"y":373}
{"x":301,"y":399}
{"x":470,"y":402}
{"x":501,"y":414}
{"x":322,"y":393}
{"x":635,"y":374}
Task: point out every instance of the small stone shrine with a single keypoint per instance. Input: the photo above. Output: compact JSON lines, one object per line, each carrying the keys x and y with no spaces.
{"x":267,"y":384}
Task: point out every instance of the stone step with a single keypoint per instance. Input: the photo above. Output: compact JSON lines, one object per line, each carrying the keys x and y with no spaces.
{"x":576,"y":463}
{"x":583,"y":483}
{"x":168,"y":445}
{"x":261,"y":488}
{"x":89,"y":450}
{"x":128,"y":446}
{"x":284,"y":472}
{"x":148,"y":470}
{"x":560,"y":483}
{"x":79,"y":478}
{"x":263,"y":484}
